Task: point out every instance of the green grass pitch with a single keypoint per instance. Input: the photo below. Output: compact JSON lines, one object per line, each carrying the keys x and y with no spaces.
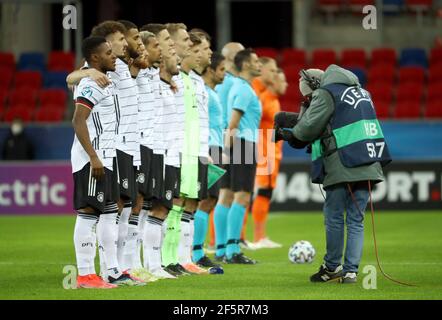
{"x":34,"y":250}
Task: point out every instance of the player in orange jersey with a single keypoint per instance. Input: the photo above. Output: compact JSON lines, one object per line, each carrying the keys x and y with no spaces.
{"x":269,"y":155}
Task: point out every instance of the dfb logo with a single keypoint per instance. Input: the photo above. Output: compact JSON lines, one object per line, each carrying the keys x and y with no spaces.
{"x":70,"y":19}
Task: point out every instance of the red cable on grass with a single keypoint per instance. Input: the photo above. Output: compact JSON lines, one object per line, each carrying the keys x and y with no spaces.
{"x":374,"y":236}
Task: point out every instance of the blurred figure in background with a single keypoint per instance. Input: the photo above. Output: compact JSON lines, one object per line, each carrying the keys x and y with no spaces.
{"x":270,"y":155}
{"x":17,"y":145}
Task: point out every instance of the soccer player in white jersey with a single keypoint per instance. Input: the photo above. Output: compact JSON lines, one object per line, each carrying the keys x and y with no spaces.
{"x":162,"y":197}
{"x":202,"y":99}
{"x":128,"y":148}
{"x":187,"y":112}
{"x":148,"y":81}
{"x":145,"y":116}
{"x":92,"y":154}
{"x":213,"y":74}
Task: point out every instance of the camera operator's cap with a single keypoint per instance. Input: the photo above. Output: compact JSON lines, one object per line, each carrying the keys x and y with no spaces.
{"x":304,"y":87}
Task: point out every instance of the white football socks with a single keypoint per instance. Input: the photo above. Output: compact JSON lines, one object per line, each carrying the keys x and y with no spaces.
{"x":131,"y":243}
{"x":123,"y":225}
{"x":107,"y":235}
{"x":84,"y":242}
{"x":142,"y":218}
{"x":152,"y":243}
{"x":185,"y":244}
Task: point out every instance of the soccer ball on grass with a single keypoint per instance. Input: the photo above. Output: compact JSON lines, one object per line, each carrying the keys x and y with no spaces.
{"x":302,"y":252}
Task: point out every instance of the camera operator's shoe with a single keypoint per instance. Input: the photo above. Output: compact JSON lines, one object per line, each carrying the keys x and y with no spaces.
{"x":240,"y":258}
{"x":349,"y":277}
{"x":325,"y":275}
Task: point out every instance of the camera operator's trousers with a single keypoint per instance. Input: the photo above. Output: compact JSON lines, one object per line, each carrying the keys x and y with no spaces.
{"x":339,"y":200}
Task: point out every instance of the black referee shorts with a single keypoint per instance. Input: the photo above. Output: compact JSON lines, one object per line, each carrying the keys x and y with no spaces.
{"x":157,"y":176}
{"x":216,"y":155}
{"x":242,"y":166}
{"x":89,"y":192}
{"x":124,"y":166}
{"x":224,"y":182}
{"x":144,"y":179}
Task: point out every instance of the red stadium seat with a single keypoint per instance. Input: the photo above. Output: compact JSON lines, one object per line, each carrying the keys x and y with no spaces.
{"x":357,"y":5}
{"x":409,"y":92}
{"x":292,"y":72}
{"x":18,"y":111}
{"x":3,"y":95}
{"x":322,"y":58}
{"x":407,"y":109}
{"x":61,"y":61}
{"x":435,"y":56}
{"x":288,"y":104}
{"x":28,"y":79}
{"x":381,"y":73}
{"x":23,"y":97}
{"x":433,"y":109}
{"x":266,"y":52}
{"x":382,"y":109}
{"x":53,"y":97}
{"x":417,"y":5}
{"x":434,"y":92}
{"x":293,"y":56}
{"x":383,"y":56}
{"x":380,"y":92}
{"x":50,"y":114}
{"x":411,"y":74}
{"x":330,"y":6}
{"x":293,"y":94}
{"x":7,"y":60}
{"x":435,"y":74}
{"x":6,"y":77}
{"x":354,"y":58}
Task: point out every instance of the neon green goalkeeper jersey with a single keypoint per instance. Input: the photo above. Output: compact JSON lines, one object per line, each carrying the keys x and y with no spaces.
{"x":191,"y":123}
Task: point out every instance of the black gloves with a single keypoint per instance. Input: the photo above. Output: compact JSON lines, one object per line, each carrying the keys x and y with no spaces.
{"x":284,"y":123}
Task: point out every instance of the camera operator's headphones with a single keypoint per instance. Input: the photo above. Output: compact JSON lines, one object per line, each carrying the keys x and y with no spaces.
{"x":313,"y":82}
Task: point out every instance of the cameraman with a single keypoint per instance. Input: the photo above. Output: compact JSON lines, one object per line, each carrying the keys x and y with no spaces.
{"x":348,"y":149}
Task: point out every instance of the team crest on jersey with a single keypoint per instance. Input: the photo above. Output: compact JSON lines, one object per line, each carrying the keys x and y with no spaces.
{"x":141,"y":178}
{"x":86,"y":92}
{"x":169,"y":194}
{"x":100,"y":197}
{"x":125,"y":184}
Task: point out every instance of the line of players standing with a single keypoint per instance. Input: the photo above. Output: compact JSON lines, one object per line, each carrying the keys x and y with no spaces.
{"x":151,"y":114}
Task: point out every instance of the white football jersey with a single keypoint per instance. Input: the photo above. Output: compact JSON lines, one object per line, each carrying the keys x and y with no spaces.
{"x":158,"y":142}
{"x":169,"y":122}
{"x":180,"y":109}
{"x":101,"y":123}
{"x":127,"y":110}
{"x":146,"y":107}
{"x":202,"y":98}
